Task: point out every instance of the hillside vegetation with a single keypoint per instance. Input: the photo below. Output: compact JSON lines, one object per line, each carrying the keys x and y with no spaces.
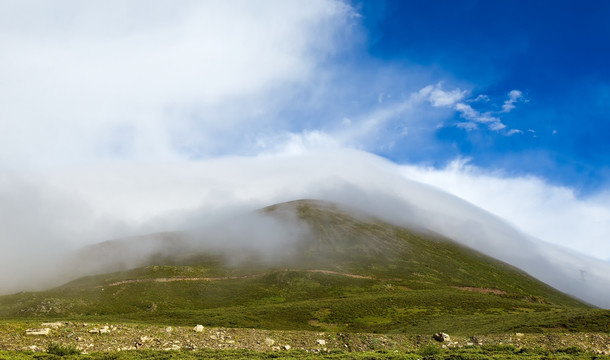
{"x":349,"y":273}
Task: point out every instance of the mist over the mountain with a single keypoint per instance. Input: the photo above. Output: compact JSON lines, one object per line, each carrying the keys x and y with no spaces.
{"x":127,"y":118}
{"x":51,"y":217}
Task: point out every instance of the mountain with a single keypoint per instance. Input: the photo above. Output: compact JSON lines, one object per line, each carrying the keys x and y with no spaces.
{"x":306,"y":265}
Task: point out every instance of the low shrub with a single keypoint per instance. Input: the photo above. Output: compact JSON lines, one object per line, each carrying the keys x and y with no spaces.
{"x":62,"y":350}
{"x":430,"y":352}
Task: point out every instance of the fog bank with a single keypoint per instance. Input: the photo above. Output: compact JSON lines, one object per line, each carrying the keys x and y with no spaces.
{"x":47,"y":215}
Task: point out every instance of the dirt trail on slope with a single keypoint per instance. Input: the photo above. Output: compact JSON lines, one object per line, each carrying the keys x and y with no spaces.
{"x":481,"y":290}
{"x":173,"y":279}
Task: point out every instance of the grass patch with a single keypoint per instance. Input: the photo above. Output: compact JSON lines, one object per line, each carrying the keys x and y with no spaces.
{"x":62,"y":350}
{"x":428,"y":353}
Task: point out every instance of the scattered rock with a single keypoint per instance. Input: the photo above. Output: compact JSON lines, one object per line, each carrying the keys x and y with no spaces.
{"x":38,"y":332}
{"x":157,"y":337}
{"x":104,"y":330}
{"x":34,"y":348}
{"x":53,"y":325}
{"x":144,"y":339}
{"x":198,"y":328}
{"x":441,"y":337}
{"x":169,"y":329}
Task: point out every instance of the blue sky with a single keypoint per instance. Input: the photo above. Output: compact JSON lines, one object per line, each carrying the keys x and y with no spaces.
{"x":556,"y":54}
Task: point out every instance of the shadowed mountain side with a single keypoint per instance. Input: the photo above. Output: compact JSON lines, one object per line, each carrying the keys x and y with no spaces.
{"x":127,"y":253}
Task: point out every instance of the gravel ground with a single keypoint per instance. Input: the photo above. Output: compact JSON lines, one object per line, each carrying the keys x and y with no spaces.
{"x":118,"y":337}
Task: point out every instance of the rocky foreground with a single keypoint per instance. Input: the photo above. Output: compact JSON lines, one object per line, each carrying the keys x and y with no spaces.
{"x":121,"y":337}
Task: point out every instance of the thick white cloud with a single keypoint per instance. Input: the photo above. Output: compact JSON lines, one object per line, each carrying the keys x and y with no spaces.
{"x":552,"y":213}
{"x":150,"y":79}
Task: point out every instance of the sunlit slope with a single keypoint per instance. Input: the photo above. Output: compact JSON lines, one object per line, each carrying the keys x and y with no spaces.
{"x":367,"y":246}
{"x":348,"y":273}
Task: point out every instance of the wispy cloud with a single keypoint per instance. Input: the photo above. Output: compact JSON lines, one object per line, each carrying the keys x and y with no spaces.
{"x":457,"y":99}
{"x":439,"y":97}
{"x":513,"y":97}
{"x":480,"y":98}
{"x":467,"y":112}
{"x":466,"y":126}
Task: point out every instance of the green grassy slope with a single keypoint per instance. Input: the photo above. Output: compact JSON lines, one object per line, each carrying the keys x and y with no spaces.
{"x":352,"y":273}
